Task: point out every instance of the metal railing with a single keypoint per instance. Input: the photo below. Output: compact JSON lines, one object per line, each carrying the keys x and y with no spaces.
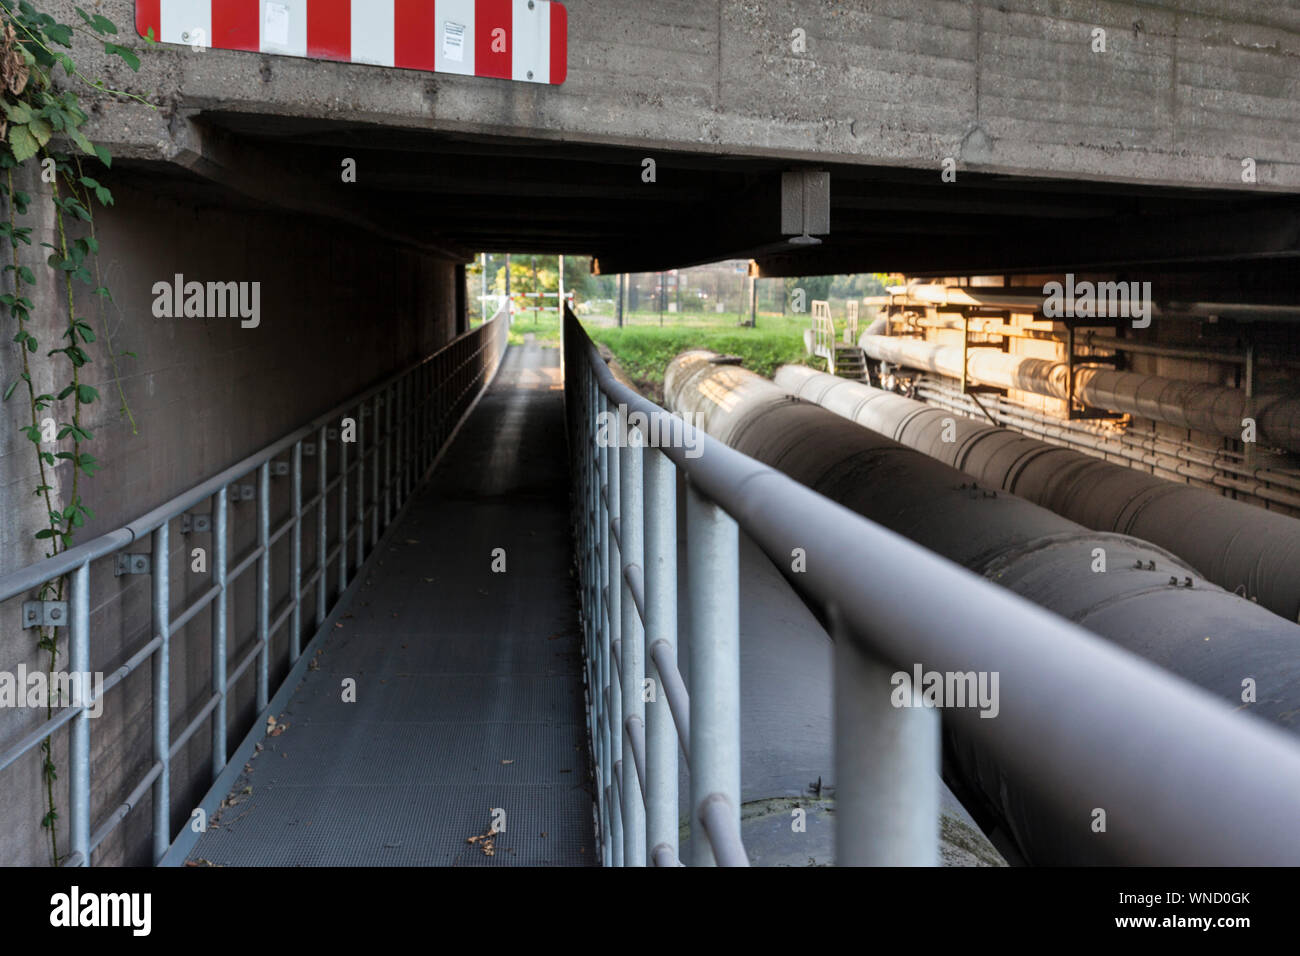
{"x":1080,"y":720}
{"x":823,"y":330}
{"x":412,"y":415}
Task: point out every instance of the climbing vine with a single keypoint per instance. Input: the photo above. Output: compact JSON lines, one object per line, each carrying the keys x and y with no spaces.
{"x":42,"y":124}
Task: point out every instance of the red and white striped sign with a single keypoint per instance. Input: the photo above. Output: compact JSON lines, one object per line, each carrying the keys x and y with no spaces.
{"x":524,"y":40}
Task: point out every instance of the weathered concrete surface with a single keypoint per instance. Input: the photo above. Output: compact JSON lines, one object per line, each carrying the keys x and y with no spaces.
{"x":338,"y":312}
{"x":1180,"y":96}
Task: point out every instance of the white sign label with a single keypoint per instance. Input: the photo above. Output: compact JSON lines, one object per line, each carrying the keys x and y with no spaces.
{"x":453,"y":41}
{"x":275,"y":31}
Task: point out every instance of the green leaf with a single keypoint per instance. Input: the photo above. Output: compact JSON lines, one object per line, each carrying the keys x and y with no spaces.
{"x":102,"y":152}
{"x":85,"y":145}
{"x":18,"y":112}
{"x":129,"y":58}
{"x":60,"y":33}
{"x":10,"y":390}
{"x":22,"y":142}
{"x":86,"y":394}
{"x":45,"y":533}
{"x":41,"y":130}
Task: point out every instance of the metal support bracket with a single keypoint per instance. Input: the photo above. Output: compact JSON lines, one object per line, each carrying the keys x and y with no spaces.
{"x":309,"y":449}
{"x":45,"y":614}
{"x":132,"y":564}
{"x":279,"y":469}
{"x":1074,"y":409}
{"x":196,"y":524}
{"x":967,"y":387}
{"x":242,"y":492}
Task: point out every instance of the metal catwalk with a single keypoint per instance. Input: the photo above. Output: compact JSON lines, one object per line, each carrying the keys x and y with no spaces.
{"x":468,"y":680}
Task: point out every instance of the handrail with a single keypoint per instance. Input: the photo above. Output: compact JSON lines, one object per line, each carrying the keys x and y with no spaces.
{"x":423,"y":404}
{"x":1096,"y":752}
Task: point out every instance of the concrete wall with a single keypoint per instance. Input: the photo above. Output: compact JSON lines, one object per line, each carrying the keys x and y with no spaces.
{"x":1181,"y":95}
{"x":339,"y":312}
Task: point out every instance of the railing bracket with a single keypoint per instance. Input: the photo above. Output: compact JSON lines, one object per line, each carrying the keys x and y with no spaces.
{"x":132,"y":564}
{"x":45,"y":614}
{"x":196,"y":524}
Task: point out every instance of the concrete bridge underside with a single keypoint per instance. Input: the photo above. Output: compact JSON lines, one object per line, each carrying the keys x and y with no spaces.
{"x":1065,"y":156}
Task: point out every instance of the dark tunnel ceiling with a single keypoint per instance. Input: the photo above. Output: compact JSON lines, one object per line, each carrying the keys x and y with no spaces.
{"x":466,"y":193}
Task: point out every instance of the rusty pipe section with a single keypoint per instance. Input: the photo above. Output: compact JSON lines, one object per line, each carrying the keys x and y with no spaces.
{"x":1196,"y":405}
{"x":1235,"y":545}
{"x":1146,"y":600}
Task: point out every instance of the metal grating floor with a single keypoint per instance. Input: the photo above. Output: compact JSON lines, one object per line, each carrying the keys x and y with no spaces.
{"x":468,"y":682}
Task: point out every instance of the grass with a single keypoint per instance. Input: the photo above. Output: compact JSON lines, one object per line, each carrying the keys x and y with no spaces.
{"x":644,"y":348}
{"x":645,"y":351}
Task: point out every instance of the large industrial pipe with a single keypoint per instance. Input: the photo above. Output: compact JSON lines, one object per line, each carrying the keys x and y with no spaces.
{"x":1236,"y":545}
{"x":1127,"y":590}
{"x":1195,"y":405}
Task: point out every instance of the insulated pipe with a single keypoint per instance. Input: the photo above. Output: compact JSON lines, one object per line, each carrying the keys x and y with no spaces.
{"x":1146,"y":600}
{"x":1195,"y":405}
{"x":1236,"y":545}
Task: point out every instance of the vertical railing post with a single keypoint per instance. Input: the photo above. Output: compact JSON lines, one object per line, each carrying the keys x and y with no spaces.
{"x":660,"y":628}
{"x":374,"y":473}
{"x":886,"y":766}
{"x":601,"y":692}
{"x":264,"y":585}
{"x":295,"y":558}
{"x":388,"y":455}
{"x":322,"y":527}
{"x":343,"y":513}
{"x":631,"y":528}
{"x":427,"y":451}
{"x":712,"y":549}
{"x":361,"y":484}
{"x":162,"y":692}
{"x":220,"y":561}
{"x":613,"y":596}
{"x":79,"y":732}
{"x":403,"y":444}
{"x":408,"y":420}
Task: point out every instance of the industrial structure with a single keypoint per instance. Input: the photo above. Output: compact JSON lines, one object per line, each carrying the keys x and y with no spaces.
{"x":351,"y":579}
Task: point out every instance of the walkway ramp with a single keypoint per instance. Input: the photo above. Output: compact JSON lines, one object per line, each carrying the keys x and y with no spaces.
{"x":469,"y":688}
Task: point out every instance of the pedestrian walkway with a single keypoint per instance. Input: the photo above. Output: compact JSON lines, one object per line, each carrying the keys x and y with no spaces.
{"x":468,"y":680}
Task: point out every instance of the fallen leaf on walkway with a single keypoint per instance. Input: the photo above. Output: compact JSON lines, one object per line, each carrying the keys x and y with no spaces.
{"x":485,"y":841}
{"x":507,"y":761}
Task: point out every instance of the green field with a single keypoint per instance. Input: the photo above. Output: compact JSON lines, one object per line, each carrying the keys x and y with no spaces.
{"x":643,"y":348}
